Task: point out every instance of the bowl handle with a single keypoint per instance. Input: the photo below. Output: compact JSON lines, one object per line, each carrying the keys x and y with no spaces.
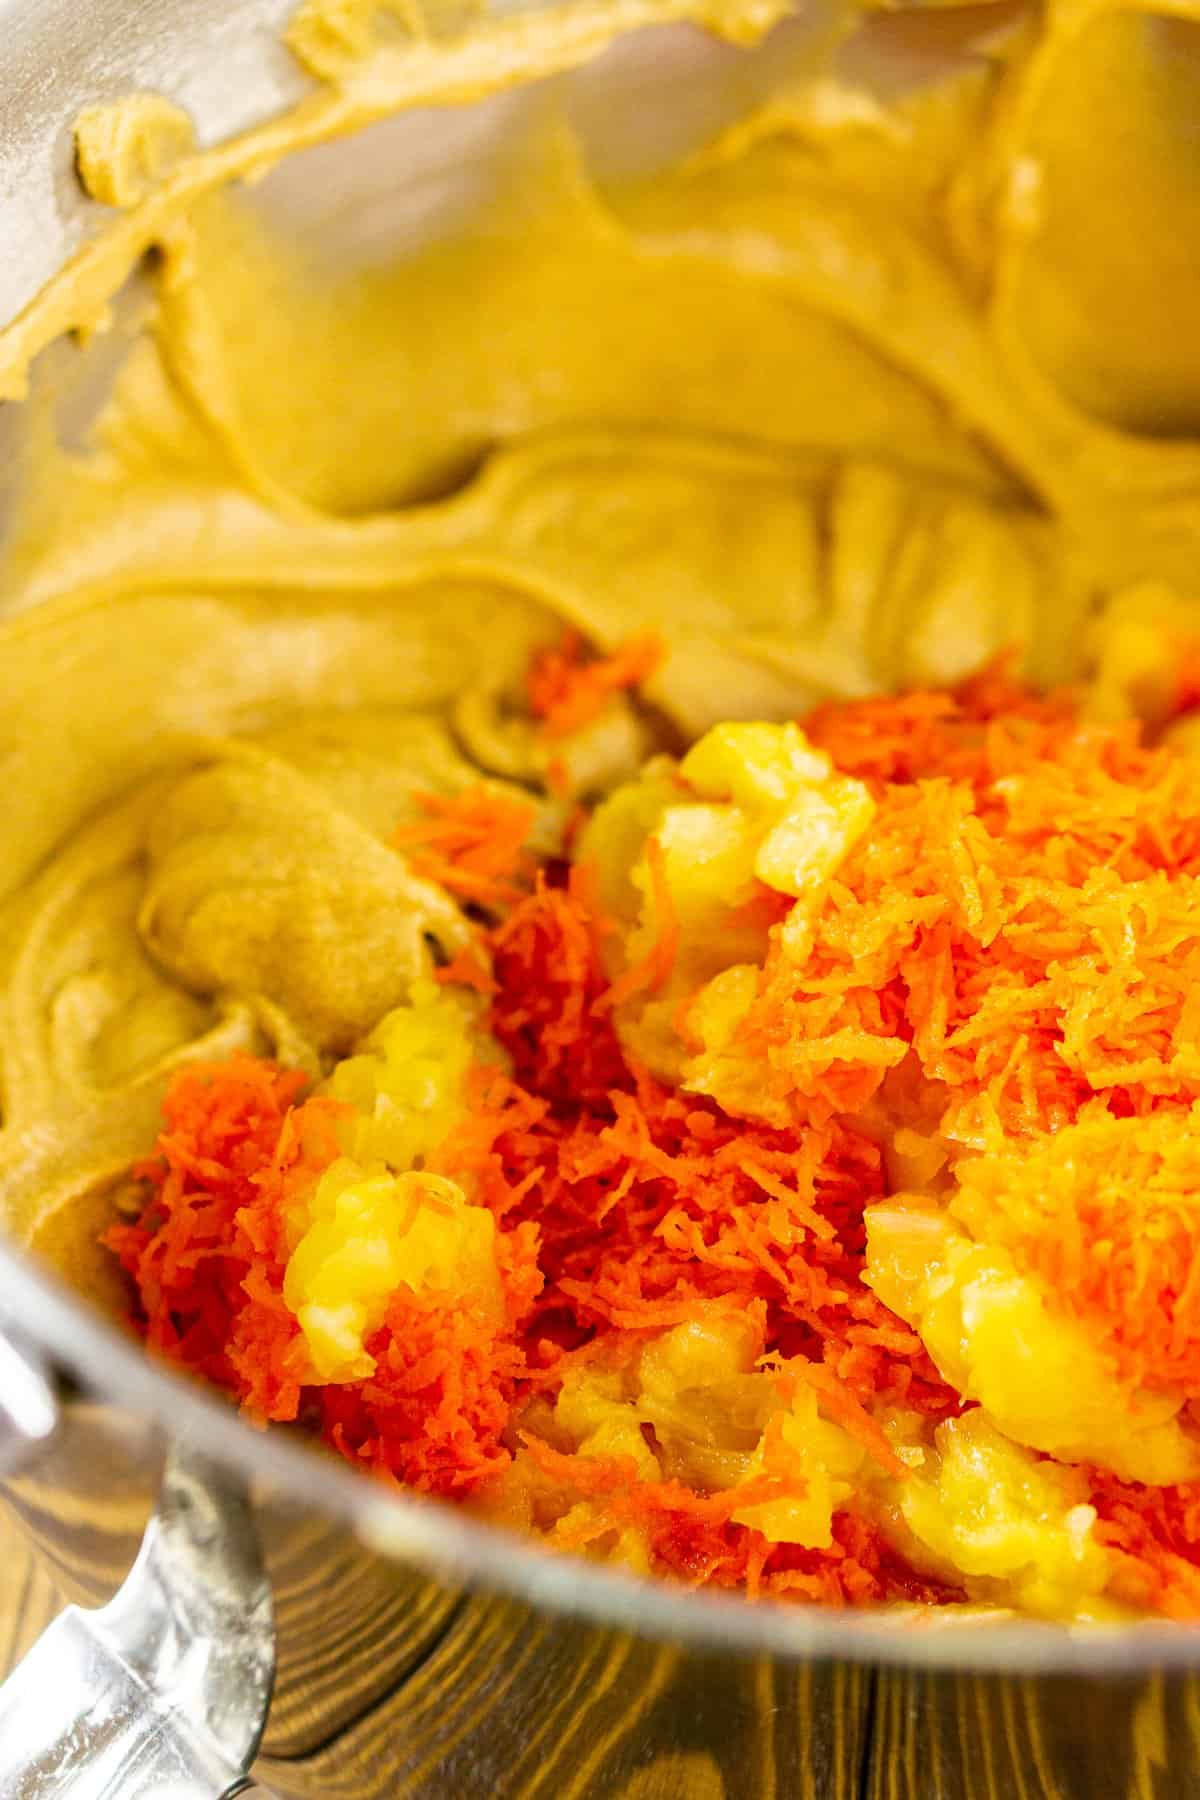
{"x":165,"y":1690}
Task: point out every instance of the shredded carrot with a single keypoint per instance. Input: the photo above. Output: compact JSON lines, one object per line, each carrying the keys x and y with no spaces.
{"x":850,"y":1412}
{"x":1132,"y":1187}
{"x":1010,"y":957}
{"x":472,"y":843}
{"x":1155,"y":1533}
{"x":567,"y":691}
{"x":650,"y":1203}
{"x":234,"y":1155}
{"x":468,"y":969}
{"x":1021,"y":919}
{"x":236,"y":1161}
{"x":550,"y":981}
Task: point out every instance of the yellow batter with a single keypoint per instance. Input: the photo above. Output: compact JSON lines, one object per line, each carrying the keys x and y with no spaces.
{"x":855,"y":397}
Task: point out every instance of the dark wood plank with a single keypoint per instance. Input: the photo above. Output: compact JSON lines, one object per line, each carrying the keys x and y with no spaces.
{"x":511,"y":1708}
{"x":966,"y":1738}
{"x":508,"y":1709}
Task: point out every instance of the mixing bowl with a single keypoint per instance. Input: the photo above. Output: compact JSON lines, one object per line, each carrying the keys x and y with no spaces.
{"x":267,"y":1599}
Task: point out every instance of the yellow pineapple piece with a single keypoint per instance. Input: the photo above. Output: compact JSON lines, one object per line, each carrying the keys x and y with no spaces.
{"x":1013,"y":1529}
{"x":370,"y":1233}
{"x":751,"y":807}
{"x":996,"y":1337}
{"x":407,"y":1081}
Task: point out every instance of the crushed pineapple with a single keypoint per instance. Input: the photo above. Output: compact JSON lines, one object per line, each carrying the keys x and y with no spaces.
{"x":406,"y":1084}
{"x":973,"y":1506}
{"x":824,"y":1463}
{"x":375,"y":1222}
{"x":692,"y":1407}
{"x":693,"y":1392}
{"x":979,"y":1507}
{"x":600,"y":1419}
{"x":752,"y":809}
{"x":994,"y":1334}
{"x":369,"y":1233}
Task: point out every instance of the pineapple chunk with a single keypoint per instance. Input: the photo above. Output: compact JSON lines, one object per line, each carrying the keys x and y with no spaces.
{"x":803,"y":817}
{"x":370,"y":1233}
{"x":407,"y":1082}
{"x":994,"y":1334}
{"x":828,"y":1464}
{"x":758,"y":767}
{"x":799,"y":855}
{"x":1014,"y":1530}
{"x":599,"y":1418}
{"x":752,"y":808}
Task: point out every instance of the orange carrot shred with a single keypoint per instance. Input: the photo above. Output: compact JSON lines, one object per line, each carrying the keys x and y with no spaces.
{"x":472,"y":844}
{"x":468,"y":969}
{"x":567,"y":691}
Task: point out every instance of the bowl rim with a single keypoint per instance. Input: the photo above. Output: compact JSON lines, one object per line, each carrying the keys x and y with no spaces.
{"x":444,"y":1543}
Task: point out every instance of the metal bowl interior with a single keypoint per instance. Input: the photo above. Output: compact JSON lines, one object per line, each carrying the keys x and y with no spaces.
{"x":647,"y":100}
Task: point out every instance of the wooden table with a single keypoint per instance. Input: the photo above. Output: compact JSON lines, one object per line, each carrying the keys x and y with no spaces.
{"x":861,"y":1736}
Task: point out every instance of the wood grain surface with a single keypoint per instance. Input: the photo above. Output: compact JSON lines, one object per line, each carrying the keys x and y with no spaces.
{"x":492,"y":1714}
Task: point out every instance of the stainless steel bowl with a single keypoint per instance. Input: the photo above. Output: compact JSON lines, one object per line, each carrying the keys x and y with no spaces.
{"x":241,"y":1560}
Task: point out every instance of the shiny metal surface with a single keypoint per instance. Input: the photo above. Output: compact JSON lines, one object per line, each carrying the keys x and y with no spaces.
{"x":364,"y":1584}
{"x":165,"y":1689}
{"x":224,"y":63}
{"x":28,"y":1408}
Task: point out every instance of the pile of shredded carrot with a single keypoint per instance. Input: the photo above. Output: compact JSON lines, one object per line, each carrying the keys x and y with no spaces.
{"x":1107,"y":1214}
{"x":208,"y":1256}
{"x":472,"y":843}
{"x":1022,"y":915}
{"x":567,"y":689}
{"x":1020,"y":926}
